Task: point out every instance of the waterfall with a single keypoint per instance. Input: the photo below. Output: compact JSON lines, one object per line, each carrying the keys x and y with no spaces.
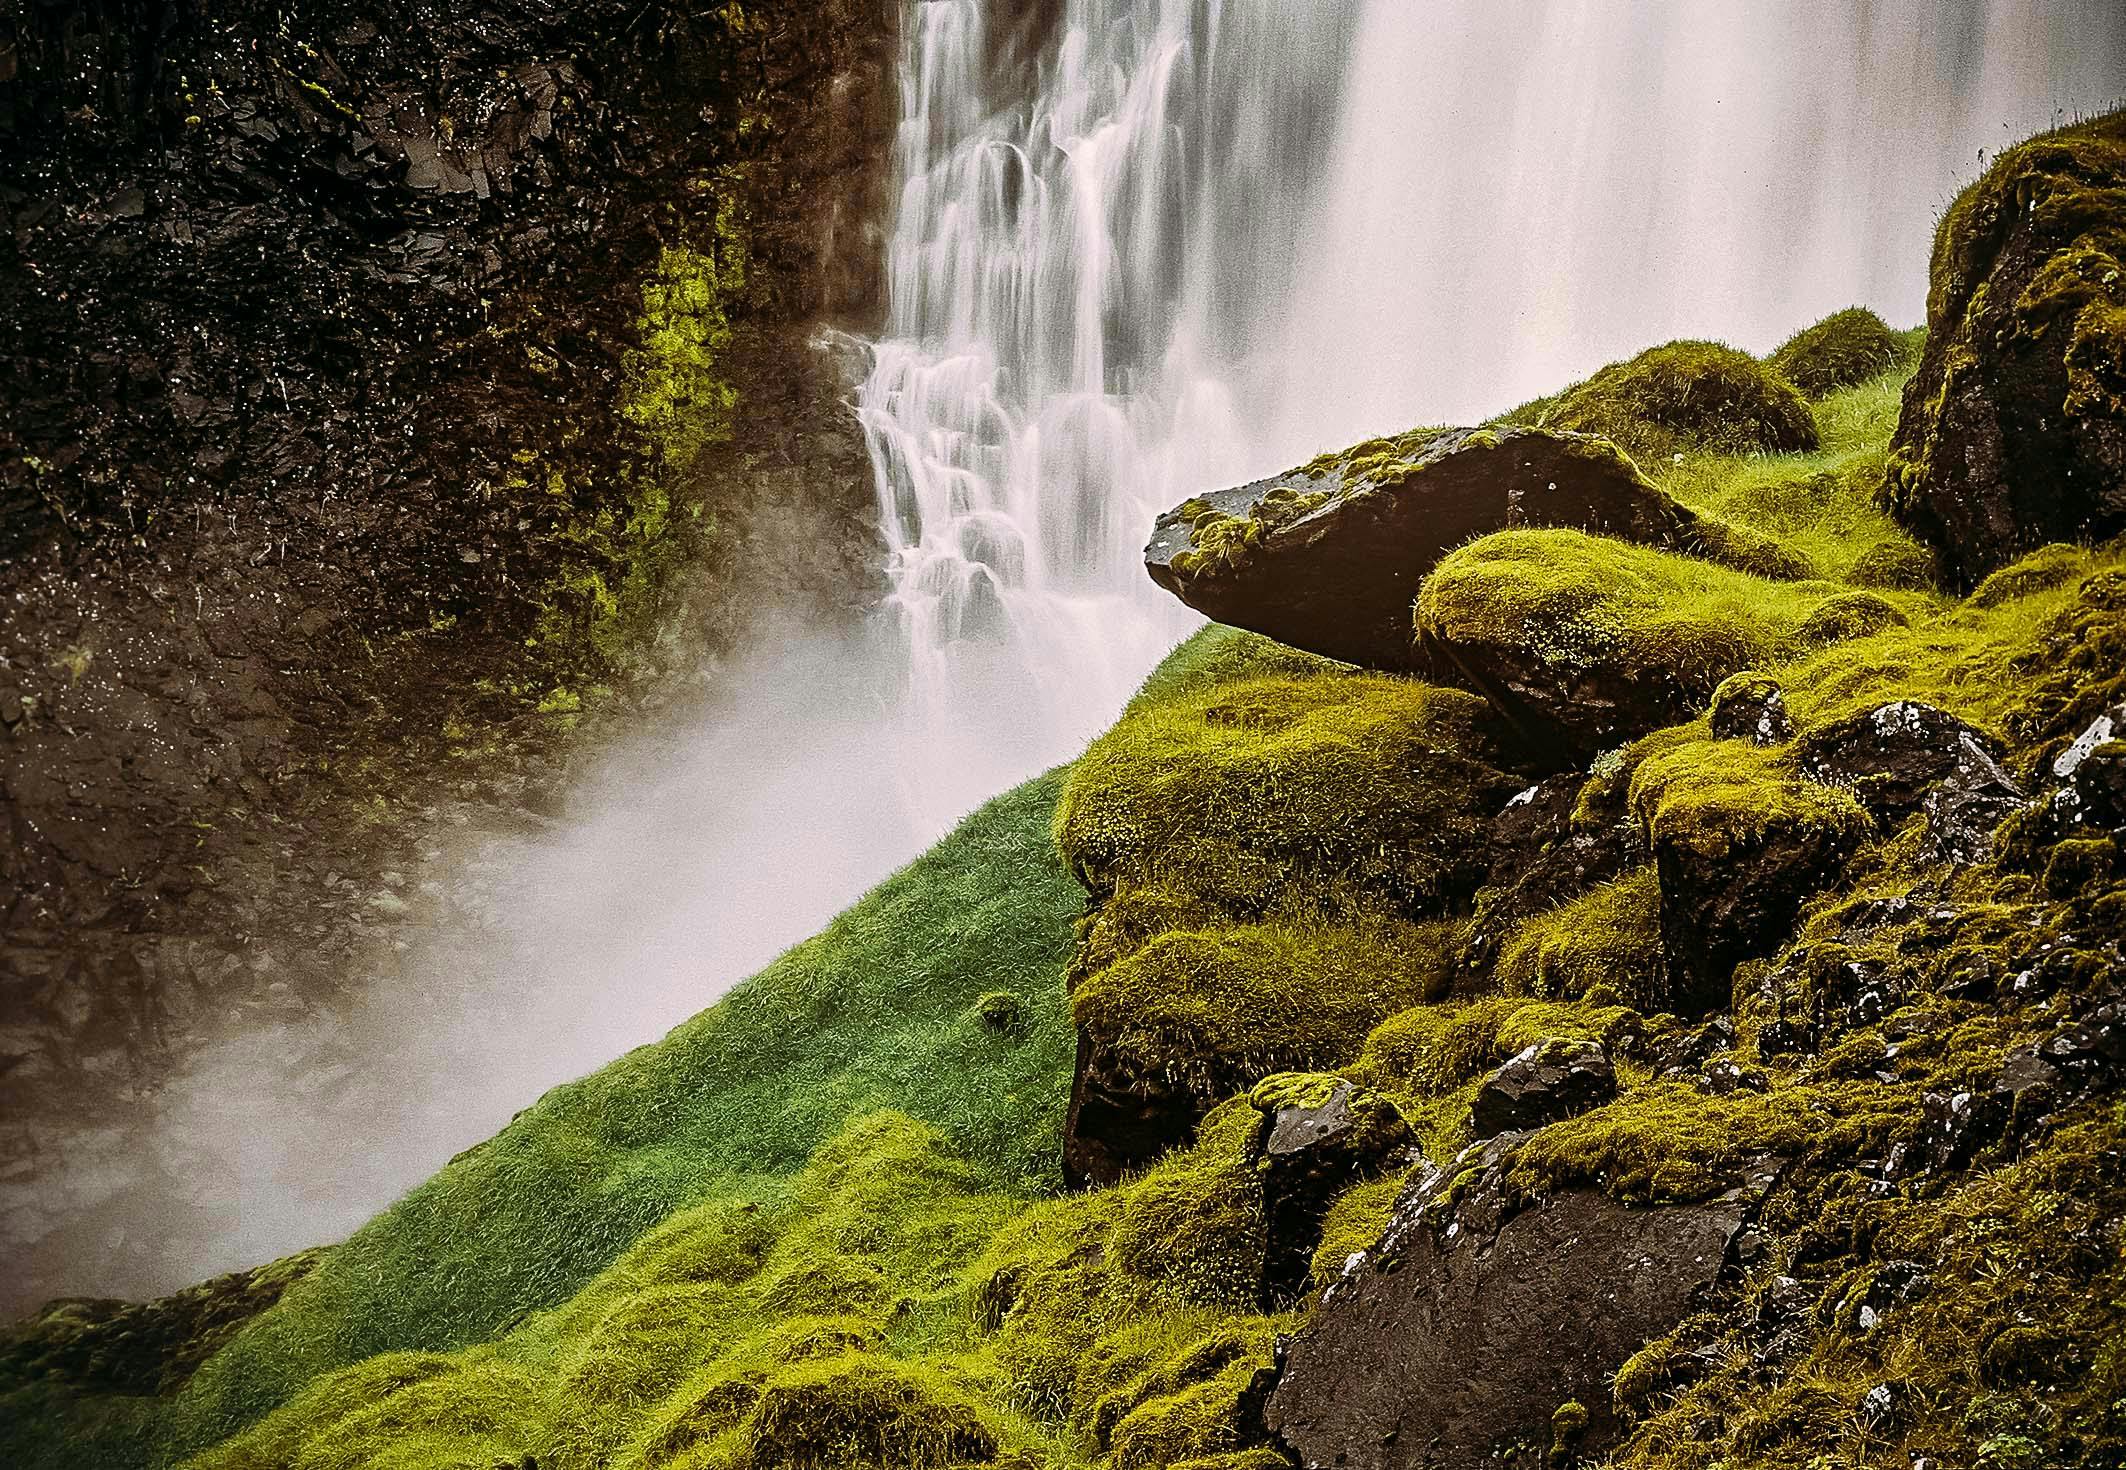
{"x":1191,"y":241}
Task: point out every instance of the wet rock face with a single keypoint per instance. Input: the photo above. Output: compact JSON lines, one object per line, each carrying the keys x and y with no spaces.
{"x":1721,"y":908}
{"x":1548,"y":1081}
{"x":1891,"y":757}
{"x":1328,"y":558}
{"x":1321,"y":1135}
{"x":2013,"y":431}
{"x":1454,"y":1341}
{"x":1540,"y":859}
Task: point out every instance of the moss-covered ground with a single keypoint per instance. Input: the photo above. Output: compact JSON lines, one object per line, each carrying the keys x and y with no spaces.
{"x":822,"y":1224}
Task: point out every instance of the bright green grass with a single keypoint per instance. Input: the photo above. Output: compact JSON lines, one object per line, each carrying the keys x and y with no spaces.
{"x":1822,"y":505}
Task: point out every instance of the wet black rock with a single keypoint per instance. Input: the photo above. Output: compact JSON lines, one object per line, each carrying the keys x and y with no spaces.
{"x":1891,"y":757}
{"x":1547,"y":1081}
{"x":1329,"y":557}
{"x":1540,"y":858}
{"x":1453,"y":1342}
{"x":1752,"y":707}
{"x":2013,"y":430}
{"x":1321,"y":1135}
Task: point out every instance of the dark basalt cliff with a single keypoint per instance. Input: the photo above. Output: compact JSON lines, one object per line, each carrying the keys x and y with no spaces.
{"x":382,"y":384}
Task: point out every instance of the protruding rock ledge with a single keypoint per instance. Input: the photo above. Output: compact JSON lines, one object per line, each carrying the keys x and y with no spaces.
{"x":1328,"y":557}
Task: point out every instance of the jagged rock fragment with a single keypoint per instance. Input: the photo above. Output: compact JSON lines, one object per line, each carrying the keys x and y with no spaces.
{"x":1550,"y":1080}
{"x":1321,"y":1135}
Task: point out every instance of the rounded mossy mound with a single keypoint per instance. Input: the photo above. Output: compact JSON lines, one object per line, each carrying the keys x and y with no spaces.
{"x":1590,"y":642}
{"x":1287,"y":792}
{"x":1845,"y":348}
{"x":1216,"y":1011}
{"x":1603,"y":947}
{"x":1688,"y":395}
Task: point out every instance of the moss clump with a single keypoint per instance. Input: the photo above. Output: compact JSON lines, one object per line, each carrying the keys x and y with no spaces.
{"x":1599,"y":640}
{"x":863,"y":1409}
{"x":1212,"y":1011}
{"x":1846,"y":347}
{"x":1351,"y":1227}
{"x":1221,"y":542}
{"x":1603,"y":947}
{"x":1688,"y":395}
{"x":1286,"y":790}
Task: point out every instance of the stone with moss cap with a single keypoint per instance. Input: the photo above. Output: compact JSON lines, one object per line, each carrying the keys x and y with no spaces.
{"x":1585,"y":642}
{"x":1327,"y":557}
{"x":2013,"y":431}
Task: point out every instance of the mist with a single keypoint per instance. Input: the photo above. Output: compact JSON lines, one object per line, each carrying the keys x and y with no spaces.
{"x":684,"y":859}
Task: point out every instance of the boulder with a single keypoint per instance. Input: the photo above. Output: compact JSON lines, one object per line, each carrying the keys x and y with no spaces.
{"x":1455,"y":1340}
{"x":2013,"y":430}
{"x":1751,"y":706}
{"x":1548,"y":1081}
{"x":1328,"y":557}
{"x":1322,"y":1134}
{"x":1894,"y":755}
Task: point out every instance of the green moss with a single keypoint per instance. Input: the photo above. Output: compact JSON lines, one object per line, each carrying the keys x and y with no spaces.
{"x":1846,"y":347}
{"x":862,"y":1409}
{"x":1434,"y":1051}
{"x":1285,"y":790}
{"x":1352,"y":1225}
{"x":1671,"y":1142}
{"x":1685,"y":394}
{"x":1215,"y":1010}
{"x":1604,"y":947}
{"x":1597,"y":630}
{"x":1714,"y":798}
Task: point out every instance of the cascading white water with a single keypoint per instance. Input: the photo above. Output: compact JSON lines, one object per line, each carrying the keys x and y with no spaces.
{"x":1221,"y":235}
{"x":1075,"y":279}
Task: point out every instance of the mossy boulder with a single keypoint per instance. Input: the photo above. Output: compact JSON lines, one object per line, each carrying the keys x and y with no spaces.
{"x":1321,"y":1135}
{"x":2013,"y":430}
{"x":1739,"y":845}
{"x":865,"y":1409}
{"x":1280,"y":791}
{"x":1327,"y":557}
{"x":1586,"y":642}
{"x":1845,"y":348}
{"x":1684,"y":396}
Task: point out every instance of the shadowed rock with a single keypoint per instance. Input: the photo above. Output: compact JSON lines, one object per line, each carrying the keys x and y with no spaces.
{"x":1451,"y":1343}
{"x":1322,"y":1135}
{"x":1328,"y":557}
{"x":1548,"y":1081}
{"x":2013,"y":431}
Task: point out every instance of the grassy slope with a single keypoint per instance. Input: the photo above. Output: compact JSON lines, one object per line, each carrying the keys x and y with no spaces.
{"x":871,"y":1013}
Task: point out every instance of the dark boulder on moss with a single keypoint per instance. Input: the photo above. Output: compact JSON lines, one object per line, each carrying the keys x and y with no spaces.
{"x":1688,"y":395}
{"x":1321,"y":1134}
{"x":2013,"y":430}
{"x":1456,"y":1340}
{"x":1739,"y":846}
{"x":1328,"y":557}
{"x":1894,"y":757}
{"x":1547,"y":1081}
{"x":1845,"y":348}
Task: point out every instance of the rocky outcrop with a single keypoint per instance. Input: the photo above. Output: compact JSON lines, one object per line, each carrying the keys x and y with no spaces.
{"x":2013,"y":431}
{"x":1903,"y":757}
{"x":1547,"y":1081}
{"x":1456,"y":1341}
{"x":1329,"y":557}
{"x":1321,"y":1135}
